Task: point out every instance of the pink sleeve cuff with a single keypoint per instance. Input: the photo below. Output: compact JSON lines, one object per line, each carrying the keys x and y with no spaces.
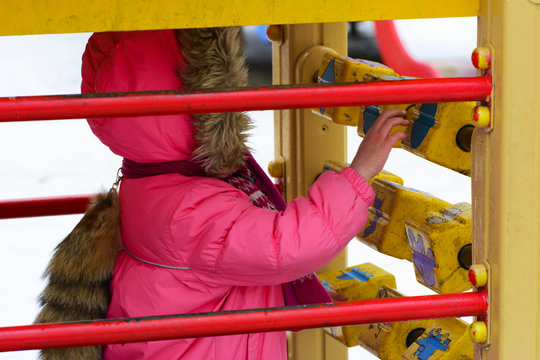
{"x":359,"y":184}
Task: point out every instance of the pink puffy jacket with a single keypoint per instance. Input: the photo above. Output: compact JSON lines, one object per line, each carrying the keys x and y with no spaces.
{"x":232,"y":254}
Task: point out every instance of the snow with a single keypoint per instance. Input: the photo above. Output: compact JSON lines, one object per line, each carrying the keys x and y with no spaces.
{"x":63,"y":157}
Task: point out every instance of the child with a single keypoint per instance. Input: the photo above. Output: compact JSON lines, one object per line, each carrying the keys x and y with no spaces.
{"x":199,"y":227}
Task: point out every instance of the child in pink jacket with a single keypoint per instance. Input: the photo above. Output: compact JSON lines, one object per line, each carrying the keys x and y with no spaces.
{"x":202,"y":230}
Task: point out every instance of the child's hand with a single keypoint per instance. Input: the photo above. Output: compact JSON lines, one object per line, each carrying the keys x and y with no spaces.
{"x":375,"y":148}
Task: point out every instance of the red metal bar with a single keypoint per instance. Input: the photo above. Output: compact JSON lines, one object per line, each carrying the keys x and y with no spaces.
{"x":238,"y":322}
{"x":60,"y":205}
{"x":290,"y":97}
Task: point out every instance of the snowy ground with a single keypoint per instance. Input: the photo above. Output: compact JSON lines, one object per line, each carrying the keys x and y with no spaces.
{"x":63,"y":157}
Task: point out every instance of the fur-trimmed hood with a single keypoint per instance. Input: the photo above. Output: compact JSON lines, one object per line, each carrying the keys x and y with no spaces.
{"x":209,"y":58}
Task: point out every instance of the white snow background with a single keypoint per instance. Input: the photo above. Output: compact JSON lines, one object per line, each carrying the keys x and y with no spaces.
{"x":50,"y":158}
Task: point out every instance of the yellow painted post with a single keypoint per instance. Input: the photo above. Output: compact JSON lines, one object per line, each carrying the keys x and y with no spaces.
{"x":506,"y":180}
{"x":305,"y":141}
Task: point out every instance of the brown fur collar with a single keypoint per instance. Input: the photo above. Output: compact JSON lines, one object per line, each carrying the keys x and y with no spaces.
{"x":79,"y":274}
{"x":214,"y":60}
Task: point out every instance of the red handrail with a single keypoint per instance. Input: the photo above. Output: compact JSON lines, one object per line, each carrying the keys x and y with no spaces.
{"x":46,"y":206}
{"x":243,"y":321}
{"x":277,"y":97}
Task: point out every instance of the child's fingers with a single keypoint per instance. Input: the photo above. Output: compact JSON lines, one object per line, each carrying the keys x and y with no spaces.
{"x":390,"y":123}
{"x":385,"y":116}
{"x":395,"y":137}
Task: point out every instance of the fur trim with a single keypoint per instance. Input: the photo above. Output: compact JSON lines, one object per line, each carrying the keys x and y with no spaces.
{"x":213,"y":59}
{"x":79,"y":274}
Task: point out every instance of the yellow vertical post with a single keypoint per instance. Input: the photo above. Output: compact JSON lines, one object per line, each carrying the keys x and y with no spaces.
{"x":305,"y":140}
{"x":506,"y":180}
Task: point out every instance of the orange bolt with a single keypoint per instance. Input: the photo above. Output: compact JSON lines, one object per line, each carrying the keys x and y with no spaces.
{"x":274,"y":33}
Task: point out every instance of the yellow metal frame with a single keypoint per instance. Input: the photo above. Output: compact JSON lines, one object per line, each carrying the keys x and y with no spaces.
{"x":505,"y":164}
{"x":305,"y":141}
{"x":506,"y":180}
{"x":25,"y":17}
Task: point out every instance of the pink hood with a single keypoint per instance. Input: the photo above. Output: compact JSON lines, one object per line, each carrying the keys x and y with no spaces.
{"x":138,"y":61}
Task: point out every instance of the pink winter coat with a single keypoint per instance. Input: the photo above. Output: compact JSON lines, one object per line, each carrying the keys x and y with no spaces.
{"x":233,"y":254}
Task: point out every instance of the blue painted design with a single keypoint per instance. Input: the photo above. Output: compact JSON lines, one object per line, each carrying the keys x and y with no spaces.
{"x":355,"y":274}
{"x":423,"y":259}
{"x":435,"y":341}
{"x":377,"y":332}
{"x":425,"y":121}
{"x":370,"y":115}
{"x":378,"y":214}
{"x":326,"y":285}
{"x":328,"y":76}
{"x":390,"y":78}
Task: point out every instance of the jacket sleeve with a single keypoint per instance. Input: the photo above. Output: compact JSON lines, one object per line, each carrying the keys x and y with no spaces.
{"x":226,"y":240}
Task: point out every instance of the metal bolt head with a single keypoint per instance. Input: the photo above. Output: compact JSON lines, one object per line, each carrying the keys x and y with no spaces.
{"x":275,"y":168}
{"x":478,"y":332}
{"x":478,"y":275}
{"x":481,"y":116}
{"x":481,"y":57}
{"x":274,"y":33}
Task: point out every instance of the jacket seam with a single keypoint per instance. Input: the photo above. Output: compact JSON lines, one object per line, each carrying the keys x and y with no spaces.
{"x":276,"y":245}
{"x":325,"y":221}
{"x":193,"y":271}
{"x":222,"y":243}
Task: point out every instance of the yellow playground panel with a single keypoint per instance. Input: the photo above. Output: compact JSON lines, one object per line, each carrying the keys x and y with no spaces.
{"x":68,"y":16}
{"x":433,"y":234}
{"x":359,"y":282}
{"x":388,"y":341}
{"x":505,"y":159}
{"x":409,"y":224}
{"x":438,"y":132}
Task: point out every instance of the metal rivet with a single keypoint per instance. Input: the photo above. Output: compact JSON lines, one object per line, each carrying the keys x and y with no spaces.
{"x":275,"y":168}
{"x":481,"y":116}
{"x":478,"y":275}
{"x":478,"y":332}
{"x":481,"y":57}
{"x":274,"y":33}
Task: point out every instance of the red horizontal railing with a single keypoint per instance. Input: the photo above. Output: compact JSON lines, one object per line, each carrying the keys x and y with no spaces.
{"x":171,"y":102}
{"x":113,"y":331}
{"x":46,"y":206}
{"x":243,"y":321}
{"x":278,"y":97}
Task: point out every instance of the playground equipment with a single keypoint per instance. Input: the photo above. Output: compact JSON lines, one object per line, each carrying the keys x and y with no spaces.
{"x":392,"y":340}
{"x":431,"y":233}
{"x":434,"y":235}
{"x":360,"y":282}
{"x":438,"y":132}
{"x":505,"y":230}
